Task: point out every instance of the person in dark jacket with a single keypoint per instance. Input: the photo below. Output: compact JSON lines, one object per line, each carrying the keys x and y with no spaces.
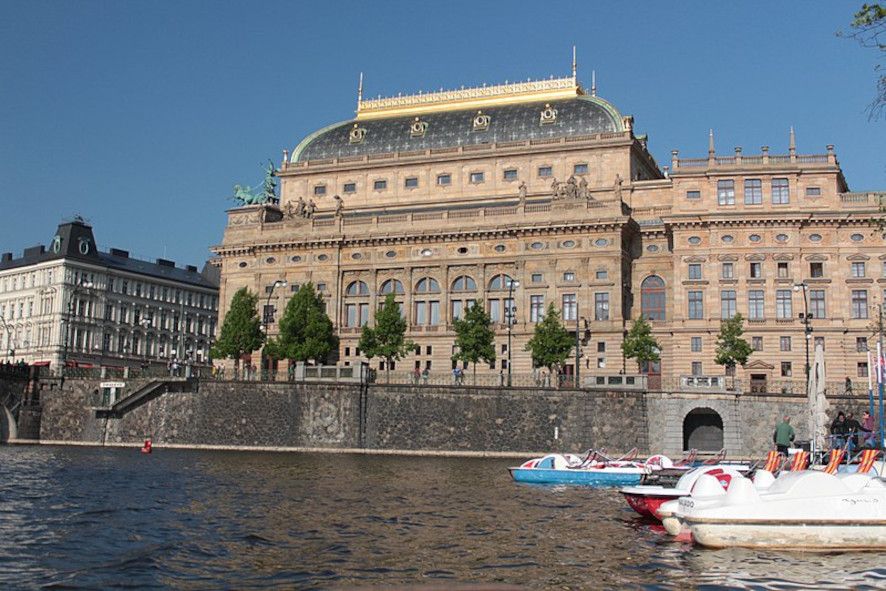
{"x":854,"y":427}
{"x":839,"y":430}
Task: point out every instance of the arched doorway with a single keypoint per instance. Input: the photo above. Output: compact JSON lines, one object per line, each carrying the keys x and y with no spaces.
{"x":703,"y":430}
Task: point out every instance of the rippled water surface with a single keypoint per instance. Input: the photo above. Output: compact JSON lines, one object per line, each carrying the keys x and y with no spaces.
{"x":81,"y":518}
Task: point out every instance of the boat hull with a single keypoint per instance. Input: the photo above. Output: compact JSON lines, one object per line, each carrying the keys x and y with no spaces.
{"x":649,"y":504}
{"x":593,"y":477}
{"x":809,"y":535}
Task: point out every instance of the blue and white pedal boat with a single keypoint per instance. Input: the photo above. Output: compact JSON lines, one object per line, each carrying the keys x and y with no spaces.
{"x":569,"y":469}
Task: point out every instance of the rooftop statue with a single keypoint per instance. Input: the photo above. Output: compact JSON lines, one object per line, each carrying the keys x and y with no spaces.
{"x":246,"y":195}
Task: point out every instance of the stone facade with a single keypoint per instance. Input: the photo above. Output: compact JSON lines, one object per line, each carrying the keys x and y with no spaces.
{"x":686,"y":244}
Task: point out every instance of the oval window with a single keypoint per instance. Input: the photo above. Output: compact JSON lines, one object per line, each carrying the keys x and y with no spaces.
{"x":536,"y":246}
{"x":242,"y":264}
{"x":356,"y":256}
{"x":568,"y":243}
{"x":694,"y":240}
{"x":295,"y":259}
{"x":815,"y":237}
{"x":856,"y":237}
{"x":727,"y":238}
{"x":462,"y":250}
{"x":426,"y":252}
{"x":754,"y":238}
{"x":390,"y":254}
{"x":652,"y":248}
{"x":601,"y":242}
{"x":499,"y":248}
{"x":782,"y":237}
{"x":84,"y":247}
{"x":270,"y":260}
{"x":322,"y":257}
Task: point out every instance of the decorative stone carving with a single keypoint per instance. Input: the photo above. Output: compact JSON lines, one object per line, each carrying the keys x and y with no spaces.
{"x":571,"y":189}
{"x":309,"y":210}
{"x":339,"y":206}
{"x":418,"y":128}
{"x":617,"y":186}
{"x":357,"y":134}
{"x":481,"y":121}
{"x":583,"y":192}
{"x":548,"y":115}
{"x":522,"y":189}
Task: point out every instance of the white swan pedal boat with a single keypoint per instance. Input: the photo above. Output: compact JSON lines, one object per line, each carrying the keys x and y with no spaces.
{"x":809,"y":510}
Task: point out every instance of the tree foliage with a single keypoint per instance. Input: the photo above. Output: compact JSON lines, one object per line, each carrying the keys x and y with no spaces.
{"x":551,"y":343}
{"x":387,"y":339}
{"x":732,"y":349}
{"x":241,"y":330}
{"x":868,"y":27}
{"x":474,"y":337}
{"x":306,"y":331}
{"x":640,"y":344}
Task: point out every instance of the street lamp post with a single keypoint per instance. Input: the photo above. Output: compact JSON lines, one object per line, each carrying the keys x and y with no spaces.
{"x":7,"y":332}
{"x":78,"y":288}
{"x":511,"y":319}
{"x":145,"y":323}
{"x":807,"y":329}
{"x":266,"y":317}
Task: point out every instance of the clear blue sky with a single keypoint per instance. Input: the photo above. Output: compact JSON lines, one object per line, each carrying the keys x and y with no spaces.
{"x":141,"y":116}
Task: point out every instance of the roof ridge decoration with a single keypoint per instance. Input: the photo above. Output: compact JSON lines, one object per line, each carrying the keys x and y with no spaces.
{"x":469,"y":98}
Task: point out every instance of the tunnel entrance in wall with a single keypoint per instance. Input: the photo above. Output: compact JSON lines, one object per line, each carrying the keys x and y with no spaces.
{"x":703,"y":430}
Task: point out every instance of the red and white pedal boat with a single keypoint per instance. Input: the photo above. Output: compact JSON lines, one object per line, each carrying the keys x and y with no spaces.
{"x":646,"y":499}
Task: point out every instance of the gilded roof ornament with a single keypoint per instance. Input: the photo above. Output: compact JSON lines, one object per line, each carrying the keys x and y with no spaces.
{"x":418,"y":128}
{"x":357,"y":134}
{"x":548,"y":115}
{"x":481,"y":121}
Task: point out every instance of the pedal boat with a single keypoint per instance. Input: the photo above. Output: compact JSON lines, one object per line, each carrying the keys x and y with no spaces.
{"x":570,"y":469}
{"x":647,"y":499}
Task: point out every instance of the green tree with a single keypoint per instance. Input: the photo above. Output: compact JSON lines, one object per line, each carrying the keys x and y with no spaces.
{"x":305,"y":330}
{"x":869,"y":29}
{"x":551,"y":343}
{"x":474,"y":337}
{"x":731,"y":348}
{"x":640,"y":344}
{"x":386,"y":339}
{"x":241,"y":331}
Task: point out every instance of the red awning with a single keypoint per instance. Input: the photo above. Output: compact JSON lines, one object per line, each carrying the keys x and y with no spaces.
{"x":41,"y":363}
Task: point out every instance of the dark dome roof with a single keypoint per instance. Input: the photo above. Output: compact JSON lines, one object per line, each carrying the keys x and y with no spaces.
{"x":582,"y":115}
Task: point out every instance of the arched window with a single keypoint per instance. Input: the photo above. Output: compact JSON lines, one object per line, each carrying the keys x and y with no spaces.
{"x":653,"y":298}
{"x":357,"y":288}
{"x":391,"y":286}
{"x":464,"y":283}
{"x":500,"y":282}
{"x":427,"y":285}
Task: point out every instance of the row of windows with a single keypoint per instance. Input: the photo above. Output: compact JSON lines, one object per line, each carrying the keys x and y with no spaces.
{"x":461,"y":283}
{"x":783,"y":304}
{"x":755,"y":270}
{"x":753,"y":192}
{"x":26,"y":280}
{"x":445,"y":179}
{"x":785,"y":344}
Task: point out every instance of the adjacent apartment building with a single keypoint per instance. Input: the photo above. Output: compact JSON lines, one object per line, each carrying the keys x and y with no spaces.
{"x":72,"y":304}
{"x":519,"y":195}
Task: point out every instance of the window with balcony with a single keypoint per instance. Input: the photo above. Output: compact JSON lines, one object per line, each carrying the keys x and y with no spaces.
{"x":755,"y":304}
{"x":753,"y":192}
{"x":696,"y":305}
{"x":728,"y":307}
{"x":783,"y":298}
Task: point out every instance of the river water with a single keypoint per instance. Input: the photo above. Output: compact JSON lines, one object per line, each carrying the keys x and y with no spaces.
{"x":85,"y":518}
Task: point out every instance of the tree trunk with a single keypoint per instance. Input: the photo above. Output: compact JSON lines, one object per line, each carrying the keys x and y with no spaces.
{"x":475,"y":373}
{"x":388,"y":370}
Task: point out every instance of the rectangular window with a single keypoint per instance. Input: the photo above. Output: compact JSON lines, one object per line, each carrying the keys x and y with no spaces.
{"x":411,"y":182}
{"x":510,"y":174}
{"x":695,"y":344}
{"x":862,"y":369}
{"x":570,"y":310}
{"x":457,"y":307}
{"x":816,"y":270}
{"x":693,"y":194}
{"x":726,"y":192}
{"x":696,"y":368}
{"x":727,"y":304}
{"x":545,"y":171}
{"x":536,"y":308}
{"x":755,"y":304}
{"x":601,"y":346}
{"x":728,"y":270}
{"x":537,"y":277}
{"x":819,"y":342}
{"x":756,"y":271}
{"x":786,"y":369}
{"x":695,"y":271}
{"x":859,"y":303}
{"x":421,"y":311}
{"x":380,"y":185}
{"x":858,"y":269}
{"x":780,"y":191}
{"x":435,"y":314}
{"x":813,"y":191}
{"x":784,"y":343}
{"x":349,"y":188}
{"x":580,"y":168}
{"x":495,"y":311}
{"x":783,"y":299}
{"x":783,"y":271}
{"x":816,"y":303}
{"x":861,"y":344}
{"x":757,"y":343}
{"x":601,"y":306}
{"x":319,"y":190}
{"x":753,"y":192}
{"x":269,"y":314}
{"x":568,"y":276}
{"x":444,"y":180}
{"x":696,"y":305}
{"x":477,"y":177}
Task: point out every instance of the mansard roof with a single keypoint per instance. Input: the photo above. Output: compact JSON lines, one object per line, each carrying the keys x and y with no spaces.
{"x":448,"y":119}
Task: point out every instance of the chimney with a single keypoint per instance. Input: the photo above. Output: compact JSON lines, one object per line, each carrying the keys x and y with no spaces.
{"x":165,"y":263}
{"x":117,"y":252}
{"x":191,"y":268}
{"x":5,"y":257}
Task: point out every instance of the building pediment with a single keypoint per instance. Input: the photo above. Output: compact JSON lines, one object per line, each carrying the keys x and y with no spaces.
{"x":755,"y":257}
{"x":858,"y":257}
{"x":759,"y":364}
{"x":694,"y":259}
{"x":727,"y":257}
{"x":783,"y":257}
{"x":816,"y":257}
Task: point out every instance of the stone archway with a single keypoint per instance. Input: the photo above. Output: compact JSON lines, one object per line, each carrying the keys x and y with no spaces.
{"x":703,"y":430}
{"x":8,"y":428}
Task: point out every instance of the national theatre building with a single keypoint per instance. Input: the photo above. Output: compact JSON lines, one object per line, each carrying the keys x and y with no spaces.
{"x":525,"y":194}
